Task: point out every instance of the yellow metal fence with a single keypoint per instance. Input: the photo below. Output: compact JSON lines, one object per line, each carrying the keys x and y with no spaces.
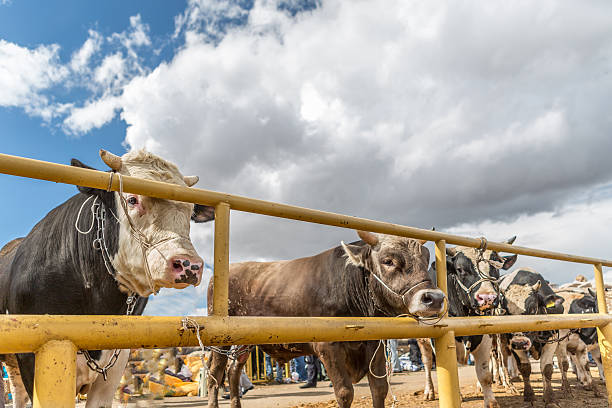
{"x":55,"y":339}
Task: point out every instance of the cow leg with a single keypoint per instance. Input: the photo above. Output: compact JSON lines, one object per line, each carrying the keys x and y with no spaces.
{"x":562,"y":359}
{"x":217,"y":364}
{"x":234,"y":372}
{"x":584,"y":360}
{"x":546,"y":366}
{"x":482,"y":355}
{"x":102,"y":392}
{"x":334,"y":358}
{"x":427,"y":356}
{"x":20,"y":395}
{"x":525,"y":370}
{"x":379,"y":387}
{"x":597,"y":357}
{"x":581,"y":360}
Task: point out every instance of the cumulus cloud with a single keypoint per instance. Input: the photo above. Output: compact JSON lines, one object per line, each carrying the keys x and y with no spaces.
{"x":577,"y":228}
{"x":421,"y":113}
{"x":24,"y":73}
{"x":81,"y":58}
{"x":482,"y":118}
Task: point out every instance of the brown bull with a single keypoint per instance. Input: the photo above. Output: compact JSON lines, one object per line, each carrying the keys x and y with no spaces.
{"x":379,"y":276}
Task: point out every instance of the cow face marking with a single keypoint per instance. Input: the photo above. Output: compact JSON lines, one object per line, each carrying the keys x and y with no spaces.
{"x":401,"y":264}
{"x":466,"y":265}
{"x":156,"y":227}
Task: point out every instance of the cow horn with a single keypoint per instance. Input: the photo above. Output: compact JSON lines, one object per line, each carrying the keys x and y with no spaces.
{"x":191,"y":180}
{"x":368,"y":238}
{"x":113,"y":161}
{"x":451,"y":251}
{"x":511,"y":240}
{"x":424,"y":241}
{"x":536,"y":286}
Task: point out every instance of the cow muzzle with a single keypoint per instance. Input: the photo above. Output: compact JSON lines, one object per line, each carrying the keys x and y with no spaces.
{"x":427,"y":303}
{"x":486,"y":301}
{"x":184,"y":270}
{"x":520,"y":342}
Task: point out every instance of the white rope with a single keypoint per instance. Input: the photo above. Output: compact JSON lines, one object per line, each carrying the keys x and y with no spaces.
{"x":193,"y":324}
{"x":388,"y":369}
{"x":93,"y":215}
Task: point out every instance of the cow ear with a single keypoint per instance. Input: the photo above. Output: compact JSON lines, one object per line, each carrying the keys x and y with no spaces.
{"x":355,"y":254}
{"x":88,"y":190}
{"x":203,"y":213}
{"x":592,"y":293}
{"x":509,"y":260}
{"x":553,"y":301}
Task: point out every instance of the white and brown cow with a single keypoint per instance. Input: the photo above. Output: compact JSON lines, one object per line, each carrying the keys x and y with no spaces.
{"x":580,"y":342}
{"x":472,"y":278}
{"x":526,"y":292}
{"x":93,"y":253}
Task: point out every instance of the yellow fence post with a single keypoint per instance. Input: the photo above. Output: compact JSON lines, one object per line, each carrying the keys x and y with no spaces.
{"x":55,"y":375}
{"x":604,"y":333}
{"x":446,"y":353}
{"x":221,"y":264}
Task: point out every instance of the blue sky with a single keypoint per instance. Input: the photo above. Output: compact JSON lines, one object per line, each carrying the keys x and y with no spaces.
{"x":67,"y":23}
{"x":30,"y":24}
{"x":361,"y":108}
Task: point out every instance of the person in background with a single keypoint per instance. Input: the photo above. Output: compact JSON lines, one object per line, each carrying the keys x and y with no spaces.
{"x":279,"y":370}
{"x":416,"y":363}
{"x":245,"y":385}
{"x":299,"y":366}
{"x":312,"y":371}
{"x":395,"y":363}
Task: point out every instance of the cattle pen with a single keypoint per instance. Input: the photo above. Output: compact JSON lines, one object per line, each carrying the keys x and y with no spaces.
{"x":55,"y":339}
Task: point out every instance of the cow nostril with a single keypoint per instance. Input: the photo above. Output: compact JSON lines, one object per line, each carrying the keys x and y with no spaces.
{"x":427,"y":298}
{"x":177,"y":264}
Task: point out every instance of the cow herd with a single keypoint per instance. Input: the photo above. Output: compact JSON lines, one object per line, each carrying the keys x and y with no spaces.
{"x":104,"y":252}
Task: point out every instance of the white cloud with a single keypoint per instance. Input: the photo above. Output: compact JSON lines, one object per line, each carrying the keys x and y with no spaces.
{"x":24,"y":73}
{"x":111,"y":70}
{"x":81,"y":58}
{"x":421,"y":113}
{"x":580,"y":229}
{"x":92,"y":115}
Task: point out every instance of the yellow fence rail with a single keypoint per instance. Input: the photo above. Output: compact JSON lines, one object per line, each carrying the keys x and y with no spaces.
{"x":55,"y":339}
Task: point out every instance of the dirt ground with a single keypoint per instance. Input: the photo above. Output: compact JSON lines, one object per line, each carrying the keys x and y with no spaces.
{"x":472,"y":399}
{"x":407,"y":387}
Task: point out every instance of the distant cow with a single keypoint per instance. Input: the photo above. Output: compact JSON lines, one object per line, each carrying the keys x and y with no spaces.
{"x":381,"y":275}
{"x":471,"y":282}
{"x":100,"y":253}
{"x":582,"y":341}
{"x":527,"y":293}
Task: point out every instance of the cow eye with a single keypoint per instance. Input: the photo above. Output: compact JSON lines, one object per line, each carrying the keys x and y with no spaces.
{"x":387,"y":261}
{"x":132,"y":200}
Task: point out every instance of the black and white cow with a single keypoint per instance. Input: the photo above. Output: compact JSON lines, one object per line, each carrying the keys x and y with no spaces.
{"x":92,"y":253}
{"x":526,"y":292}
{"x":471,"y":282}
{"x":583,"y":341}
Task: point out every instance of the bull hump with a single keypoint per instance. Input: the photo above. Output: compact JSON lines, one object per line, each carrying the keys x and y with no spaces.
{"x":11,"y":246}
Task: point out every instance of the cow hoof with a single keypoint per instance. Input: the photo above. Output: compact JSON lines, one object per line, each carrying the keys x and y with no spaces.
{"x":493,"y":404}
{"x":588,"y":388}
{"x":430,"y":396}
